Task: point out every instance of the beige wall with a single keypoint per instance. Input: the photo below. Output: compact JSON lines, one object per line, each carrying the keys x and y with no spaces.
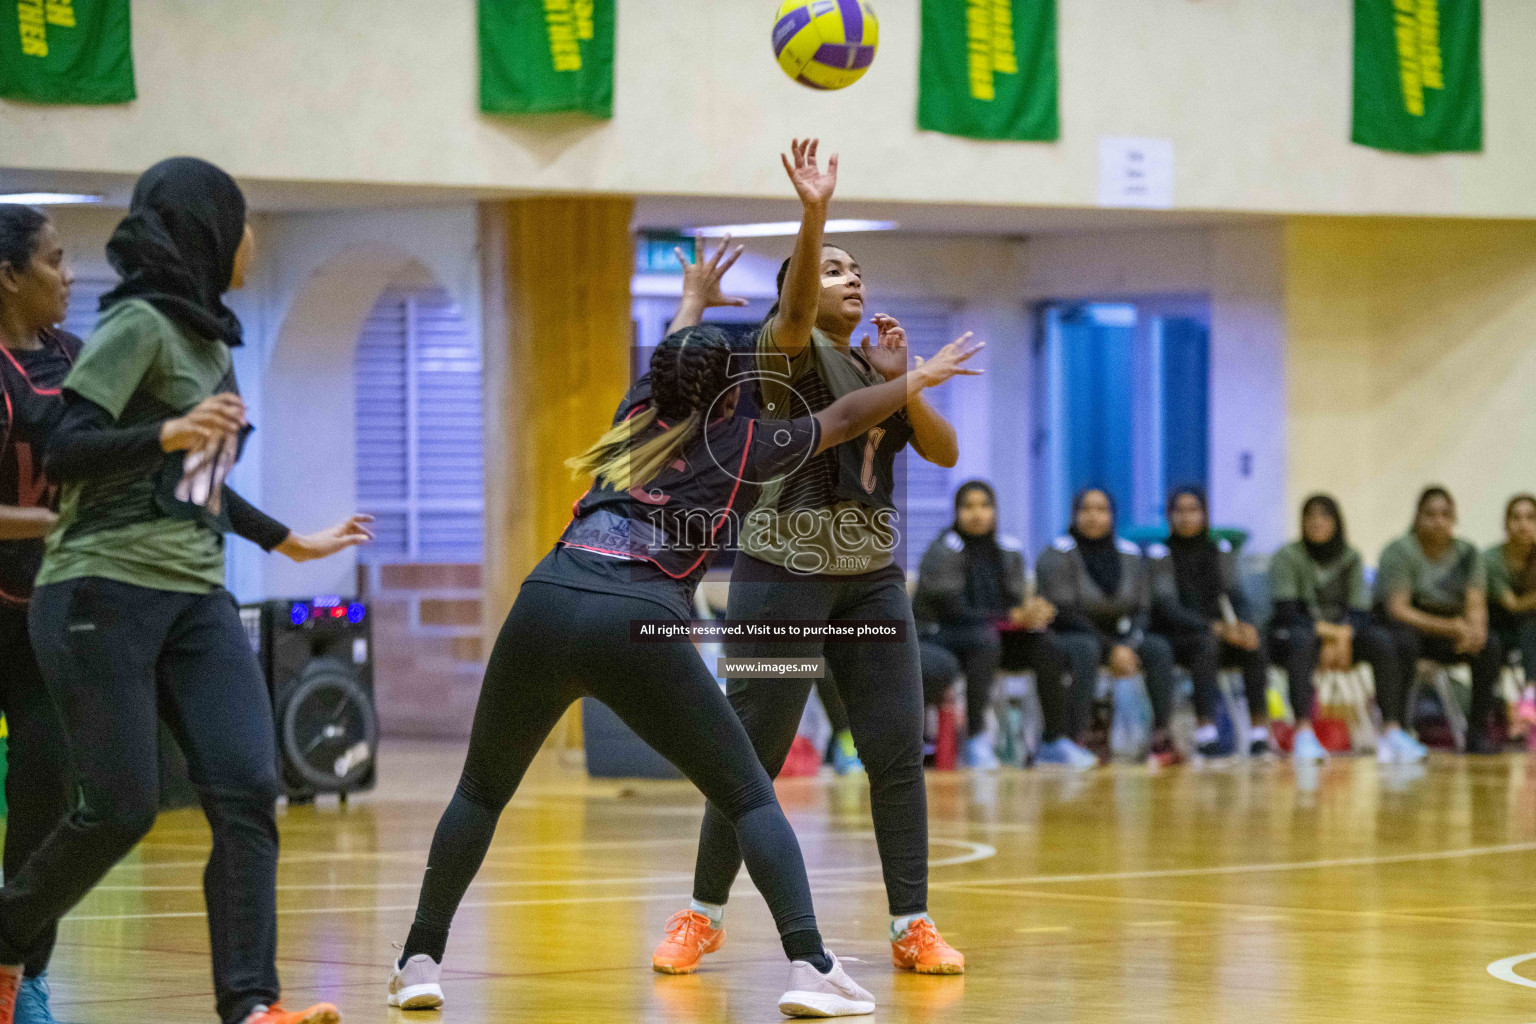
{"x":1255,"y":95}
{"x":1411,"y":360}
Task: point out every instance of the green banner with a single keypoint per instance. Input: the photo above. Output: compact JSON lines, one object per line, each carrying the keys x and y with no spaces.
{"x":66,"y":51}
{"x":988,"y":69}
{"x":539,"y":56}
{"x":1419,"y":75}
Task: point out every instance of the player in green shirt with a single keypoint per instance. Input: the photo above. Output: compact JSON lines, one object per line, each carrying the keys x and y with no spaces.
{"x":131,"y":621}
{"x":1431,"y":593}
{"x":1512,"y":582}
{"x":1322,"y":620}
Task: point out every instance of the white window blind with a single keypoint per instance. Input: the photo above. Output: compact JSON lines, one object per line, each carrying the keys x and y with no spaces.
{"x":420,"y":469}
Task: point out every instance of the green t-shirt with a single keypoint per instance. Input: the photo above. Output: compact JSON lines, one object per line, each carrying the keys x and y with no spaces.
{"x":1330,"y":591}
{"x":798,"y":522}
{"x":1438,"y":587}
{"x":1500,"y":580}
{"x":141,"y":367}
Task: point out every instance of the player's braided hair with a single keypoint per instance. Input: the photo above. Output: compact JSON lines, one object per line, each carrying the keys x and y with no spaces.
{"x":690,"y":370}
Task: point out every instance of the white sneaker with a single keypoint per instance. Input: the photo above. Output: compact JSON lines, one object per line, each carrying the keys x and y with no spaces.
{"x":813,"y":994}
{"x":980,"y":755}
{"x":1305,"y":747}
{"x":417,"y":985}
{"x":1409,"y":750}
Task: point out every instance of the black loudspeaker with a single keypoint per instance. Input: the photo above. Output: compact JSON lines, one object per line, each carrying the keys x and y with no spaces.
{"x":317,"y":654}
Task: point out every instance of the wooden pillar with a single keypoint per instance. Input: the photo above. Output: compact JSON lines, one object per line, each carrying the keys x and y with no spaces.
{"x":557,"y":331}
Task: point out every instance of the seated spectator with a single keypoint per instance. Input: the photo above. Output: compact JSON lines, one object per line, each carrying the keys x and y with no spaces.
{"x":1512,"y":582}
{"x":1322,"y":620}
{"x":970,"y":601}
{"x":1199,"y":606}
{"x":1430,"y":594}
{"x":1101,"y":590}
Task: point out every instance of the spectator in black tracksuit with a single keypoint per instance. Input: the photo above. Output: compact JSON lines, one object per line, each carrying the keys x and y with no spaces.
{"x":1199,"y":605}
{"x":35,"y":357}
{"x":971,"y":602}
{"x":1102,"y":593}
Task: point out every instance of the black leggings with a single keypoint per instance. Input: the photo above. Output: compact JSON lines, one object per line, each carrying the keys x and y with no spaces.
{"x":37,"y":771}
{"x":1086,"y":652}
{"x":881,"y":685}
{"x":1516,"y":633}
{"x":116,"y":658}
{"x":559,"y":644}
{"x":1297,"y":650}
{"x":980,"y":652}
{"x":1411,"y":645}
{"x":1205,"y":655}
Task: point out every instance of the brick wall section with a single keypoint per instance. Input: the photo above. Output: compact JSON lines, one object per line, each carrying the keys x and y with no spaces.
{"x":427,"y":646}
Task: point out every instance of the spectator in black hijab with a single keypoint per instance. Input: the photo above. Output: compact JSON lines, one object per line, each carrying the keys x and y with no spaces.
{"x":1101,"y":590}
{"x":1199,"y":605}
{"x":971,"y":601}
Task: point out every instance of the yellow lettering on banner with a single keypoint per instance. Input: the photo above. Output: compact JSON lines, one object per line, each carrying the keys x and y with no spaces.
{"x":1408,"y":63}
{"x":1005,"y":61}
{"x":1431,"y":66}
{"x":584,"y":27}
{"x":61,"y":13}
{"x":564,"y":50}
{"x":34,"y":36}
{"x":978,"y":35}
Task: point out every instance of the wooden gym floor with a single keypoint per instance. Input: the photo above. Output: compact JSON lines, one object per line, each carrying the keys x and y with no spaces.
{"x":1241,"y":893}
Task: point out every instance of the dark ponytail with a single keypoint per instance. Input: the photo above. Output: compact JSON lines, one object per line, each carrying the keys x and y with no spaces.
{"x":19,"y":230}
{"x":690,"y":370}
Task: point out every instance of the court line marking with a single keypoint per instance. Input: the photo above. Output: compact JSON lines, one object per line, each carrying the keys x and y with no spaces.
{"x":975,"y":852}
{"x":983,"y":888}
{"x":1504,"y":969}
{"x":1431,"y":855}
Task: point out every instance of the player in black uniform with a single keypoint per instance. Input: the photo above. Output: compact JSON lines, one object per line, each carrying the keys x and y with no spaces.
{"x":35,"y":357}
{"x":671,"y":479}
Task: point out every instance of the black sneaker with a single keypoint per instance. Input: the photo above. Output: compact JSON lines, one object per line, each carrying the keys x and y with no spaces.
{"x":1210,"y":750}
{"x":1258,"y":748}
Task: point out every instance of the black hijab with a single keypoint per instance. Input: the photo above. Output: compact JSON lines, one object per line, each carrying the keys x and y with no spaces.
{"x":1101,"y":557}
{"x":176,"y":248}
{"x":1196,"y":560}
{"x":983,"y":558}
{"x":1329,"y":550}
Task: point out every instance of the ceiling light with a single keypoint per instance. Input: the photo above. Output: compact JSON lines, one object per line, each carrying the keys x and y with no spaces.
{"x":787,"y":227}
{"x":49,"y":198}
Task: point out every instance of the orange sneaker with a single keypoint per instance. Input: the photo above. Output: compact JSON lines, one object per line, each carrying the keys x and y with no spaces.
{"x":689,"y":937}
{"x":10,"y":988}
{"x":922,"y":949}
{"x":320,"y":1013}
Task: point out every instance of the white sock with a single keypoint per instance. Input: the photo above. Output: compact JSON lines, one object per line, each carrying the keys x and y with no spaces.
{"x":714,"y":911}
{"x":899,"y":925}
{"x":1206,"y":734}
{"x":1258,"y":733}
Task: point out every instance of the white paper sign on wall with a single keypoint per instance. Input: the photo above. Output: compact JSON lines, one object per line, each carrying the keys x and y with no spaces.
{"x":1135,"y":172}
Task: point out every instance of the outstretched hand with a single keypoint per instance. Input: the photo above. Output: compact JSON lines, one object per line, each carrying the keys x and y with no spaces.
{"x":350,"y":532}
{"x":813,"y":185}
{"x":948,"y":362}
{"x":701,"y":280}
